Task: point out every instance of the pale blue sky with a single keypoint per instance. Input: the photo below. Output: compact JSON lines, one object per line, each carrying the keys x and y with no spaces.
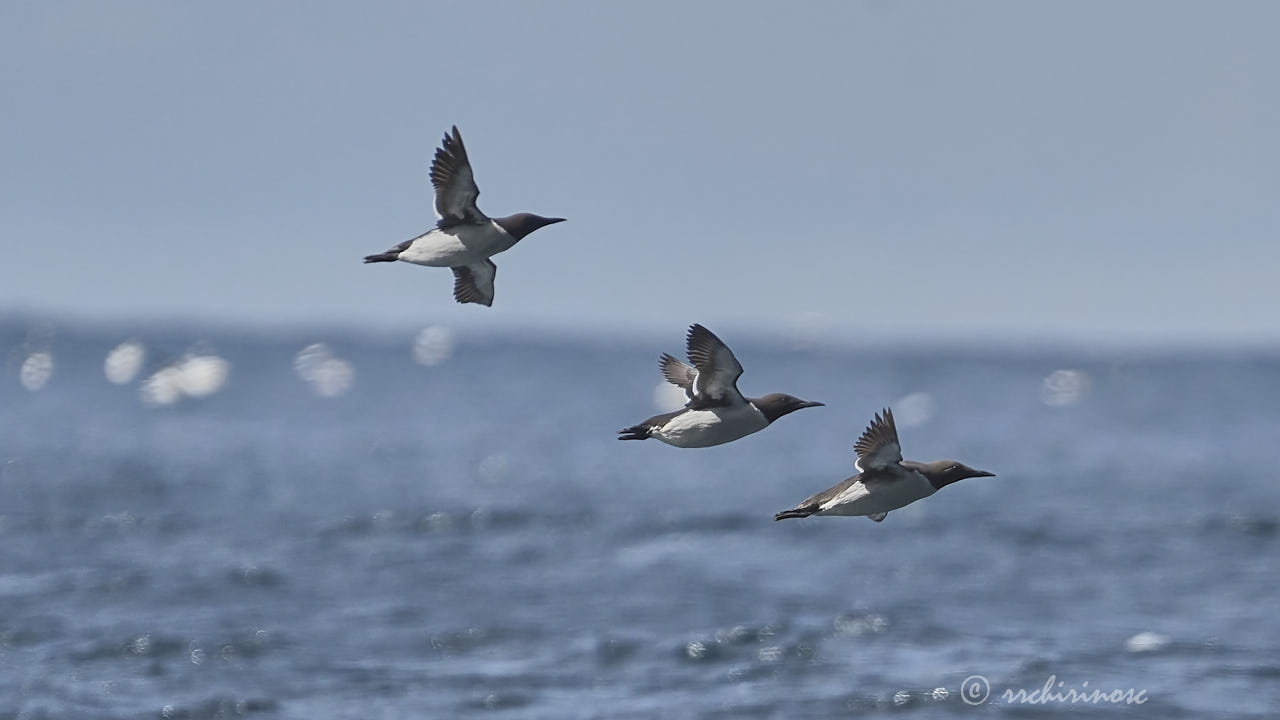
{"x":1067,"y":170}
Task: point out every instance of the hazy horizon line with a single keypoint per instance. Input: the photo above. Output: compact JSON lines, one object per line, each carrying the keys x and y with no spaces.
{"x":791,"y":333}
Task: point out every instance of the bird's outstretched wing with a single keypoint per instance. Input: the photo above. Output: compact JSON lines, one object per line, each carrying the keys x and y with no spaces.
{"x":878,"y":447}
{"x":716,"y":382}
{"x":678,"y":373}
{"x":456,"y":190}
{"x":474,"y":283}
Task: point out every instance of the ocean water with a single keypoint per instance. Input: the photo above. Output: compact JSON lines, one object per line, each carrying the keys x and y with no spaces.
{"x":351,"y":533}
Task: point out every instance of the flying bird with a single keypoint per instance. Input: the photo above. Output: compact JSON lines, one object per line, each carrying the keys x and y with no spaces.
{"x":716,"y":412}
{"x":464,"y":238}
{"x":884,"y":481}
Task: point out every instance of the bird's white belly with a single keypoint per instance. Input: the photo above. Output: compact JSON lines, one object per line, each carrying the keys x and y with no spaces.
{"x":879,"y":498}
{"x":714,"y":426}
{"x":456,"y":246}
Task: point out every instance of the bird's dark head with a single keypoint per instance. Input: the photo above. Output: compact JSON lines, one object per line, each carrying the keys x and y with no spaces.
{"x":521,"y":224}
{"x":775,"y":405}
{"x":944,"y":472}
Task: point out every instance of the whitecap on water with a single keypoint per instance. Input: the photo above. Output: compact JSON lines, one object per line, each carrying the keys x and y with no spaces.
{"x":309,"y":358}
{"x":203,"y":375}
{"x":164,"y":387}
{"x":695,"y":650}
{"x":769,"y":654}
{"x":328,"y":376}
{"x":1146,"y":642}
{"x":124,"y":362}
{"x":914,"y":409}
{"x":858,"y":624}
{"x":196,"y":375}
{"x":1064,"y":387}
{"x":668,"y":397}
{"x":433,"y":346}
{"x":36,"y":370}
{"x":37,"y":366}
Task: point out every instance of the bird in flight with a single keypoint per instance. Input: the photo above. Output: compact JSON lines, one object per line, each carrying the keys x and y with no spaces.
{"x":716,"y":412}
{"x":464,"y":239}
{"x":884,"y":481}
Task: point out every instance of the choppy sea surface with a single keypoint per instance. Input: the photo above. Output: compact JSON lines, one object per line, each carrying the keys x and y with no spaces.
{"x":223,"y":524}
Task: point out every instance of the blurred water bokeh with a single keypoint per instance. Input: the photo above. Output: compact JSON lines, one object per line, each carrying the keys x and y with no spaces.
{"x":213,"y":523}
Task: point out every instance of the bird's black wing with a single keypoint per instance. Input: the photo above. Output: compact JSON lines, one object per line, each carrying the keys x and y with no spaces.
{"x":474,"y":283}
{"x":878,"y":447}
{"x":716,"y":382}
{"x":678,"y":373}
{"x":456,"y":190}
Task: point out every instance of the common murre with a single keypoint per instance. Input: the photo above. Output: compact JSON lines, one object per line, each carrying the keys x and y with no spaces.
{"x":716,"y":412}
{"x":884,"y":481}
{"x":464,"y":238}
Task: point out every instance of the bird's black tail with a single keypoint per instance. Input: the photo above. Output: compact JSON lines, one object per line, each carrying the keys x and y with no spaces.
{"x":800,"y":512}
{"x":635,"y":432}
{"x":390,"y":256}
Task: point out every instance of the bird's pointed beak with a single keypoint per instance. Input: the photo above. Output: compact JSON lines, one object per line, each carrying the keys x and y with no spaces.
{"x":553,"y":221}
{"x":982,"y":473}
{"x":812,"y":403}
